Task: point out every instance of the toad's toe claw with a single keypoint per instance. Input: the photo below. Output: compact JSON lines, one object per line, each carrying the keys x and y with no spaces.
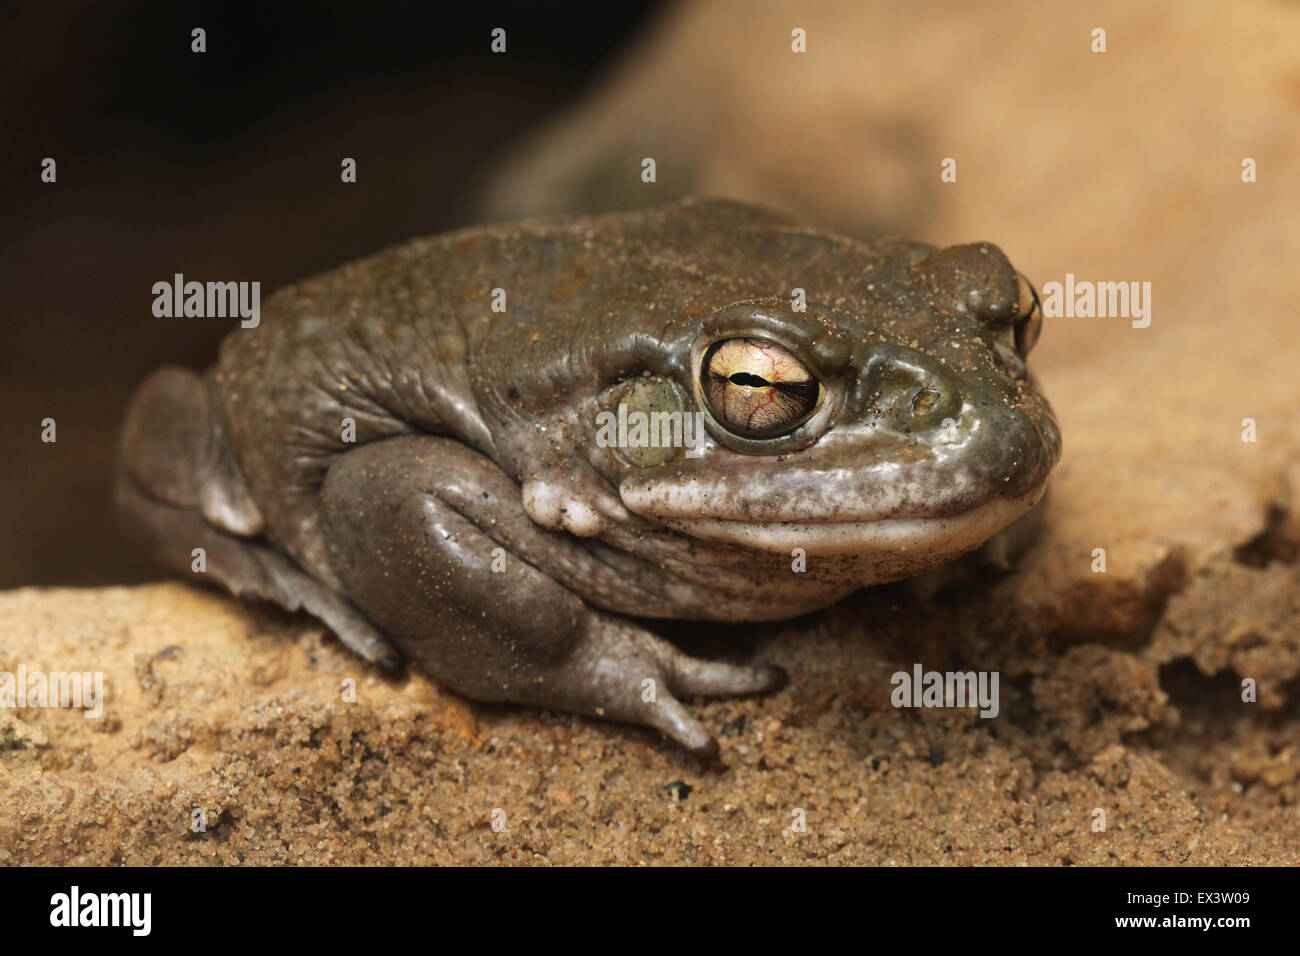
{"x":670,"y":716}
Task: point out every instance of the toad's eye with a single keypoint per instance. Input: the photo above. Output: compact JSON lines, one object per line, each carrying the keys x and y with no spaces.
{"x":756,"y":388}
{"x":1029,"y":318}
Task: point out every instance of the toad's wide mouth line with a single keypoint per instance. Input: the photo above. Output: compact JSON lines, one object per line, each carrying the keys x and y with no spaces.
{"x":946,"y":534}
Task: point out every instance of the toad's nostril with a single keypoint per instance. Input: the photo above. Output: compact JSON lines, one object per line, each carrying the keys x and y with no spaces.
{"x":932,"y":404}
{"x":909,"y":389}
{"x":924,"y":402}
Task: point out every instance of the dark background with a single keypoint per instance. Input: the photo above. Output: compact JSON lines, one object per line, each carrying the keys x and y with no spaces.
{"x":223,"y":165}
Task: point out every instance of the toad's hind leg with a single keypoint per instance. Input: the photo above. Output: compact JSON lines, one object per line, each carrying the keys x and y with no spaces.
{"x":177,"y":489}
{"x":430,"y":538}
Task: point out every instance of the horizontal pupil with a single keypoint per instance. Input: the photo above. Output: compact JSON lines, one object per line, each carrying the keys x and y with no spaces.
{"x":806,"y":389}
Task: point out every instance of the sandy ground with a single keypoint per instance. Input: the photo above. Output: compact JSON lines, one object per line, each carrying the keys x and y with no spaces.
{"x":243,"y":716}
{"x":1121,"y":689}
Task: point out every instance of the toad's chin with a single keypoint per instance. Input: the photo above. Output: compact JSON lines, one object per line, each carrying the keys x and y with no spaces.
{"x":937,"y":539}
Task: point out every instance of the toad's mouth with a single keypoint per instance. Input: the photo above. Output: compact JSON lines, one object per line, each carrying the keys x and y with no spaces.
{"x":939,"y":538}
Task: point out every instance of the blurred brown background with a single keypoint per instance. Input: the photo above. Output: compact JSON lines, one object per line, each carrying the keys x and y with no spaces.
{"x":221,"y":165}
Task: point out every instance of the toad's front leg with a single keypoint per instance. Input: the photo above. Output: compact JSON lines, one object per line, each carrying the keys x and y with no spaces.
{"x":431,"y":540}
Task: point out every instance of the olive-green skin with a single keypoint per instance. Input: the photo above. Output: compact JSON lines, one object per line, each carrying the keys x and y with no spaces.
{"x":409,"y":447}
